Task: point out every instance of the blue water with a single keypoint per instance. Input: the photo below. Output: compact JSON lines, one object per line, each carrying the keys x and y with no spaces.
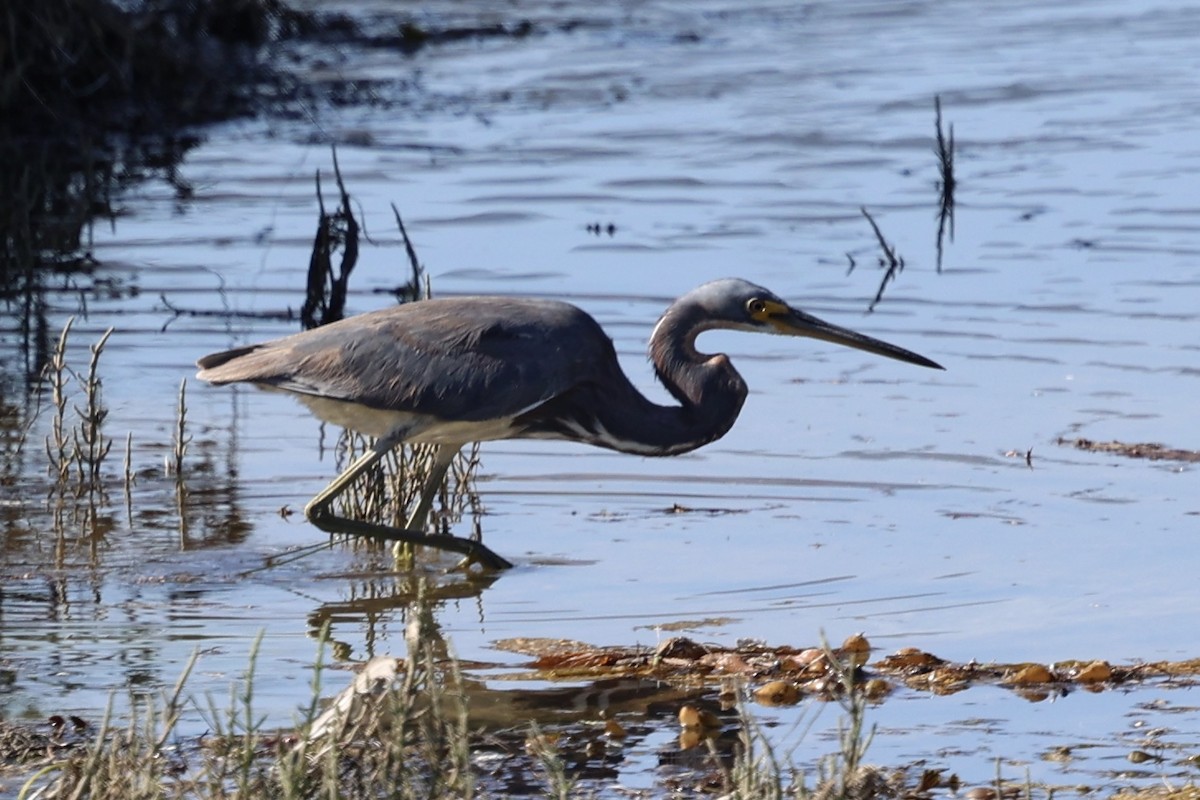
{"x":855,"y":494}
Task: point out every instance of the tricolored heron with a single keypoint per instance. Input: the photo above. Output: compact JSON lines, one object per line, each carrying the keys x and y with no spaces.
{"x":451,"y":371}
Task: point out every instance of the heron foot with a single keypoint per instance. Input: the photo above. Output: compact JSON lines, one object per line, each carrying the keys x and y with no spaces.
{"x":464,"y":566}
{"x":474,"y":552}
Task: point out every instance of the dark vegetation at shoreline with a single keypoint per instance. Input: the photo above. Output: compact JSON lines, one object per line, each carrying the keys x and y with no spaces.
{"x":96,"y":95}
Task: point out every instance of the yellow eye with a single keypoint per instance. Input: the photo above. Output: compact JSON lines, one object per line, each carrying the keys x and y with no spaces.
{"x":756,"y":307}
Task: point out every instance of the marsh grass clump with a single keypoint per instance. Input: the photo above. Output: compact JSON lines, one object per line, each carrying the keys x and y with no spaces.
{"x":76,"y":446}
{"x":402,"y":734}
{"x":399,"y":731}
{"x":844,"y":775}
{"x":337,"y":233}
{"x":560,"y":784}
{"x":757,"y":771}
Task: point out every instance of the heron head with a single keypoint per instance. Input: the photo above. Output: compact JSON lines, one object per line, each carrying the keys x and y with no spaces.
{"x":740,"y":305}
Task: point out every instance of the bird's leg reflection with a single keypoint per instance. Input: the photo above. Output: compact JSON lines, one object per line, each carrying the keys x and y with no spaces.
{"x":375,"y":597}
{"x":319,"y":511}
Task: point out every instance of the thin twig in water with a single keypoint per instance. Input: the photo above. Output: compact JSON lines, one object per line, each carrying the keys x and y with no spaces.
{"x":294,"y":554}
{"x":947,"y":184}
{"x":129,"y":476}
{"x":411,"y":290}
{"x":894,"y":263}
{"x":177,"y":312}
{"x":337,"y":289}
{"x":57,"y":442}
{"x":181,"y":440}
{"x":91,"y":445}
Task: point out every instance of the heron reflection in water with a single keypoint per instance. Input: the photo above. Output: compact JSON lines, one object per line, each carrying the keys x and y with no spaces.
{"x":451,"y":371}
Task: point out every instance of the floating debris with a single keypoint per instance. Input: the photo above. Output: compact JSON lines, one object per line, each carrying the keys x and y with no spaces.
{"x":785,"y":675}
{"x":778,"y":693}
{"x":1150,"y":450}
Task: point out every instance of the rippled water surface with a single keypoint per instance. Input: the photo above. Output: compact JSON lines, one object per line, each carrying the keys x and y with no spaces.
{"x":853,"y":494}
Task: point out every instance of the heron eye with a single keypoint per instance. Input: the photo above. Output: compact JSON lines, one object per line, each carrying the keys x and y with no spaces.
{"x":756,"y":307}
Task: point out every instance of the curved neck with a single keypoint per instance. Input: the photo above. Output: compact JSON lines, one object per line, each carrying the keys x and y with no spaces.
{"x":610,"y":412}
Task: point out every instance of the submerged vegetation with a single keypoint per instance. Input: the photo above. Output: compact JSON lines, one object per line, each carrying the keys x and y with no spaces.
{"x":889,"y":260}
{"x":1152,"y":451}
{"x":398,"y":731}
{"x":402,"y":729}
{"x":416,"y":726}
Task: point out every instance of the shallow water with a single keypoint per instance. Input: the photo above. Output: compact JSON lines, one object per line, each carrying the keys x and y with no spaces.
{"x":853,"y":494}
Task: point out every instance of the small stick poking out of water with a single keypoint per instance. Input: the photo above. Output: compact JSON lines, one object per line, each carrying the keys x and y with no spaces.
{"x":947,"y":184}
{"x":412,"y":290}
{"x":180,"y":440}
{"x":894,"y":263}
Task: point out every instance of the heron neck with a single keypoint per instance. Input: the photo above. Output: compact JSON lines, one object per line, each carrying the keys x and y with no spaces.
{"x":710,"y":394}
{"x":608,"y":411}
{"x":709,"y":390}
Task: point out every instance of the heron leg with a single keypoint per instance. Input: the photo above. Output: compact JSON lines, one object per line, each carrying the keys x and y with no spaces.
{"x":319,"y":506}
{"x":318,"y":510}
{"x":443,"y":457}
{"x":439,"y":463}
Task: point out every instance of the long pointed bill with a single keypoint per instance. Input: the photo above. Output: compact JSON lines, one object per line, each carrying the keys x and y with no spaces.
{"x":791,"y":322}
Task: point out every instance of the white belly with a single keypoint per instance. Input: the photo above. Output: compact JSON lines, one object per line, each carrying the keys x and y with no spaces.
{"x":418,"y":428}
